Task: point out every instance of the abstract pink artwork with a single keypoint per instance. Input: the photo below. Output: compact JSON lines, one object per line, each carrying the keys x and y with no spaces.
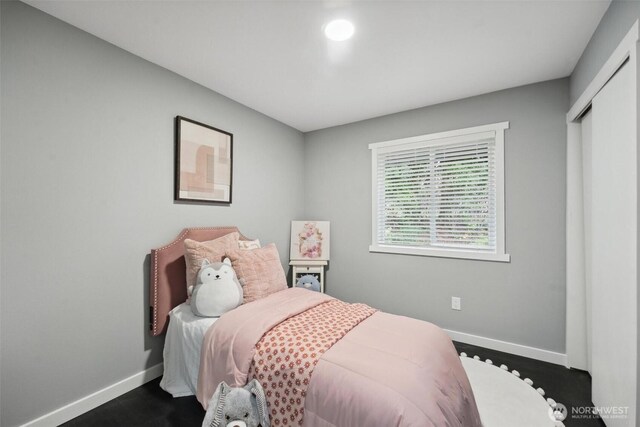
{"x":203,"y":162}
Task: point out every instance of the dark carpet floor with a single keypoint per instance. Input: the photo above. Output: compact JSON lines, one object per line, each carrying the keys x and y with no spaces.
{"x":149,"y":405}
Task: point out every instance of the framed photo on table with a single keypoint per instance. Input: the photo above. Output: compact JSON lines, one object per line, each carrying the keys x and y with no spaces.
{"x":204,"y":162}
{"x":309,"y":241}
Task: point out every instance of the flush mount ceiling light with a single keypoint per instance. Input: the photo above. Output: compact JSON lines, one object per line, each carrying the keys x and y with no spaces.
{"x":339,"y":30}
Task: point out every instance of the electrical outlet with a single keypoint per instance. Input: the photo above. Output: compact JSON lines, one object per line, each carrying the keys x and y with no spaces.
{"x":456,"y":303}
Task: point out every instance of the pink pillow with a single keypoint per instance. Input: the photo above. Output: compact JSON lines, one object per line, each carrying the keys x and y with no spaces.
{"x":212,"y":250}
{"x":259,"y":271}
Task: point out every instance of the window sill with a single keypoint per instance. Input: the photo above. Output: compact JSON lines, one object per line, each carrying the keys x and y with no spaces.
{"x":442,"y":253}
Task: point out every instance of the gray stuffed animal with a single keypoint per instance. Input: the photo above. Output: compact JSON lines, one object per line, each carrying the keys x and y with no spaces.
{"x":237,"y":407}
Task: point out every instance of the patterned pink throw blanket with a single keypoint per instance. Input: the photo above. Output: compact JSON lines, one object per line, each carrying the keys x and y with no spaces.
{"x":286,"y":355}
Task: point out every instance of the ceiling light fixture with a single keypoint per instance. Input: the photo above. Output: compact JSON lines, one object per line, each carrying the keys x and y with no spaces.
{"x":339,"y":30}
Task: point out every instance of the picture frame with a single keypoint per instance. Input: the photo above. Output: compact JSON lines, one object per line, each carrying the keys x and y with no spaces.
{"x":310,"y":241}
{"x":203,"y":162}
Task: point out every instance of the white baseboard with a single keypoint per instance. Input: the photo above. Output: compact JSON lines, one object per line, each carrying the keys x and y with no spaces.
{"x":509,"y":347}
{"x":87,"y":403}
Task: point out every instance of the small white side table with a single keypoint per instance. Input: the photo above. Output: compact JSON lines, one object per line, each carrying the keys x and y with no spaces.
{"x":301,"y":268}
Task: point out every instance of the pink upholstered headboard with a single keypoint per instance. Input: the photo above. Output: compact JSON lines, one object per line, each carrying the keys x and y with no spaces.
{"x":168,"y":274}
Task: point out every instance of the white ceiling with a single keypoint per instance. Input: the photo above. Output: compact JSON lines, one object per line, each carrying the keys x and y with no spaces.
{"x":273,"y":57}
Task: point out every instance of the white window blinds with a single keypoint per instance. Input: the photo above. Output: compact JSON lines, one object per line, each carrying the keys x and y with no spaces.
{"x":439,"y":194}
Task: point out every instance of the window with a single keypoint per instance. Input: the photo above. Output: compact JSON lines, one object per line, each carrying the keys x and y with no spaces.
{"x":441,"y":194}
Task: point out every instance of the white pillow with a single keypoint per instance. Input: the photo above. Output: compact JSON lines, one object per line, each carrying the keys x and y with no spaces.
{"x":249,"y":244}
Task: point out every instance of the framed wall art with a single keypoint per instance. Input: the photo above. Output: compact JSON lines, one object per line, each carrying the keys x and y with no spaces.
{"x":309,"y":241}
{"x":204,"y":165}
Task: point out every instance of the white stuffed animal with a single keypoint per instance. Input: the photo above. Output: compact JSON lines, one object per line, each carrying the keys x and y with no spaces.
{"x":217,"y":289}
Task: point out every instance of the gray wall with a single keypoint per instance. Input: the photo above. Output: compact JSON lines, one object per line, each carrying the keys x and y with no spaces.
{"x":614,"y":25}
{"x":87,"y":187}
{"x":522,"y":301}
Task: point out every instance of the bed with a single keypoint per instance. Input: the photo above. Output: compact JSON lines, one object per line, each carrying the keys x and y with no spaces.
{"x":321,"y":361}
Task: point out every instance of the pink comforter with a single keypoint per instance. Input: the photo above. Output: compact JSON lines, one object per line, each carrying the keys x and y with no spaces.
{"x":387,"y":371}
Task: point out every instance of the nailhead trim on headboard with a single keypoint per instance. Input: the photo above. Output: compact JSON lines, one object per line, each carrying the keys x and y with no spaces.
{"x":155,"y":276}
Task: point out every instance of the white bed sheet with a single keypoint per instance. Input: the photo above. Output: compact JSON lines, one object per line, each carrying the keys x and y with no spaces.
{"x":182,"y":350}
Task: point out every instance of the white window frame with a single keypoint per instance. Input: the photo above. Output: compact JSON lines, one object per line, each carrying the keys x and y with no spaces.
{"x":432,"y":139}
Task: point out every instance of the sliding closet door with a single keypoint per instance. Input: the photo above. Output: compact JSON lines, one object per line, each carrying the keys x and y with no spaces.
{"x":613,"y":245}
